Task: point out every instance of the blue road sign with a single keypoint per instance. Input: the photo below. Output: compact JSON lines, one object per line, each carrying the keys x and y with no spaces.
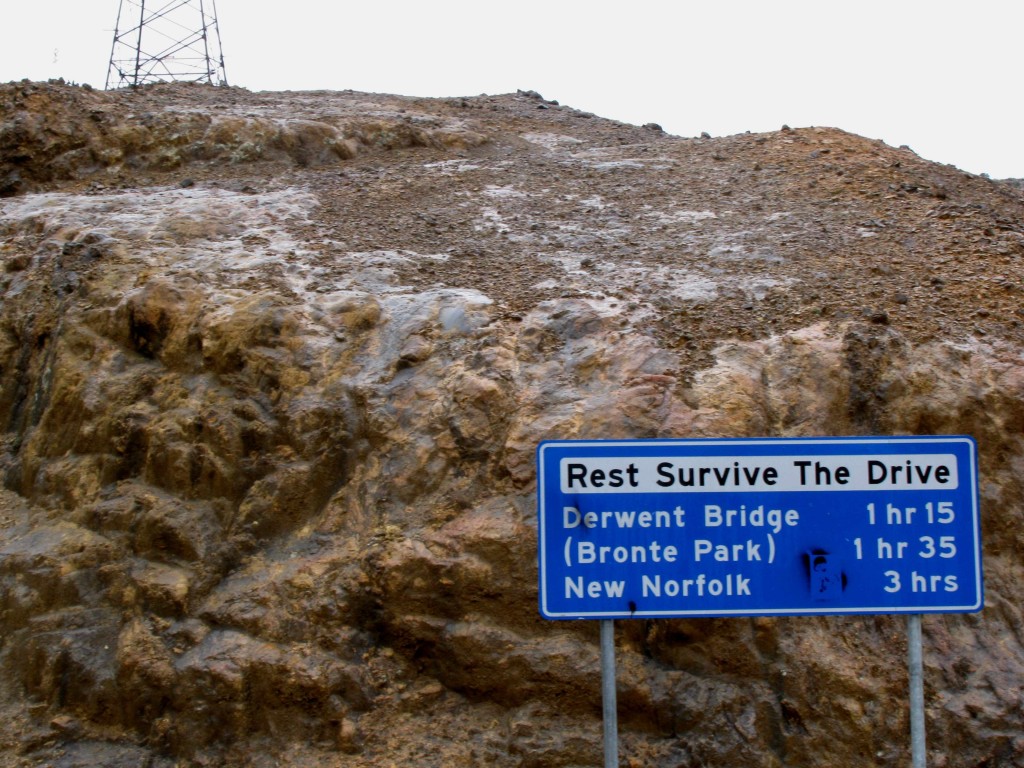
{"x":758,"y":527}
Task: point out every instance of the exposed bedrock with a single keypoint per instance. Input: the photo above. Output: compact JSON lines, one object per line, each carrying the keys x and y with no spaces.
{"x":269,"y":493}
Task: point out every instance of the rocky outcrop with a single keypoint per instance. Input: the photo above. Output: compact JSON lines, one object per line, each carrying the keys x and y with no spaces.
{"x":55,"y":133}
{"x":269,"y":437}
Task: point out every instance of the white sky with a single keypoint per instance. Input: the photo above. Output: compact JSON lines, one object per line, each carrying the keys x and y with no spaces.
{"x":945,"y":78}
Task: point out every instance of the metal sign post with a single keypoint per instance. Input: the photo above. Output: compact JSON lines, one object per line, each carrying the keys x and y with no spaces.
{"x":917,"y":727}
{"x":608,"y":701}
{"x":759,"y":527}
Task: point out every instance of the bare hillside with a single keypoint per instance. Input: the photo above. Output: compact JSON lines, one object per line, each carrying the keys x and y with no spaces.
{"x":274,"y":366}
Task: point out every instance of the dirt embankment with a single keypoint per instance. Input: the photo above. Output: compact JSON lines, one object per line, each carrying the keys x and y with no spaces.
{"x":273,"y":368}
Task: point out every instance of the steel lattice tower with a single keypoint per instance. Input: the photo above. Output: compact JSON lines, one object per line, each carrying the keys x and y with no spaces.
{"x":172,"y":40}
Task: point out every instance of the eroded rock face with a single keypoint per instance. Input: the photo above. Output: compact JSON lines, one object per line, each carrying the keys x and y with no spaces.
{"x":269,"y":436}
{"x":54,"y":133}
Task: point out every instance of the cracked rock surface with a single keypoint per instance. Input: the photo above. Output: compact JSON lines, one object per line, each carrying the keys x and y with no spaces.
{"x":273,"y":368}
